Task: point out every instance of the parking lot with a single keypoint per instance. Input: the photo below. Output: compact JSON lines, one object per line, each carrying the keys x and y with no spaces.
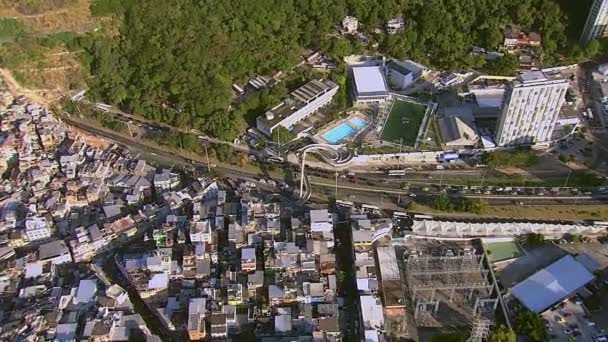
{"x":570,"y":322}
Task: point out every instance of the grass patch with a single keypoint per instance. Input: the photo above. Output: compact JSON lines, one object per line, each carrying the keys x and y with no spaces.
{"x":517,"y":158}
{"x":10,"y":29}
{"x":537,"y":212}
{"x":102,"y":8}
{"x":403,"y":123}
{"x":381,"y":150}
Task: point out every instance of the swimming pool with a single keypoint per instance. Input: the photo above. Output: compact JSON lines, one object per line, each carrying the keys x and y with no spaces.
{"x":338,"y":133}
{"x":358,"y":123}
{"x":344,"y":130}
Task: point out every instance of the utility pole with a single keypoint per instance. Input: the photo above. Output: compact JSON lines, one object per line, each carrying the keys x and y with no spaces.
{"x":279,"y":138}
{"x":400,"y":149}
{"x":483,"y":177}
{"x":336,"y":192}
{"x":206,"y":142}
{"x":567,"y":179}
{"x":129,"y":128}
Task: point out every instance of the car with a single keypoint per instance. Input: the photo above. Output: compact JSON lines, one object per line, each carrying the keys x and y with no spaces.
{"x":412,"y":195}
{"x":567,"y":314}
{"x":426,"y":189}
{"x":559,"y":319}
{"x":601,"y":339}
{"x":568,"y":331}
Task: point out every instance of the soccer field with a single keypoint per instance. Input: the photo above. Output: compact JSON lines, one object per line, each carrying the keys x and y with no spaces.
{"x":403,"y":122}
{"x":499,"y":251}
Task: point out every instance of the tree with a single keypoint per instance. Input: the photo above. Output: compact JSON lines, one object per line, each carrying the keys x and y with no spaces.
{"x":531,"y":325}
{"x":502,"y":334}
{"x":504,"y":66}
{"x":282,"y":135}
{"x":532,"y":240}
{"x":442,"y":203}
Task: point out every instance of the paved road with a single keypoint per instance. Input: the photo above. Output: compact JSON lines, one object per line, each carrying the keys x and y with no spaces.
{"x":165,"y":157}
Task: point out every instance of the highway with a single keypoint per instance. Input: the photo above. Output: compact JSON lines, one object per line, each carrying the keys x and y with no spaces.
{"x":343,"y":186}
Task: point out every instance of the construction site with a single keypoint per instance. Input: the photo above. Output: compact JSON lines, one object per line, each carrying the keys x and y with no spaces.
{"x":445,"y":285}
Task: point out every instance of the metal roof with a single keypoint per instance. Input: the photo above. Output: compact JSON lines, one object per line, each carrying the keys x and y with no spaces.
{"x":552,"y":284}
{"x":389,"y":270}
{"x":369,"y":80}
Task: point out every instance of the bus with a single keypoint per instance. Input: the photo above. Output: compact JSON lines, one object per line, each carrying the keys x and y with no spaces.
{"x":422,"y":217}
{"x":367,"y":207}
{"x":396,"y":172}
{"x":347,"y":204}
{"x":400,"y":214}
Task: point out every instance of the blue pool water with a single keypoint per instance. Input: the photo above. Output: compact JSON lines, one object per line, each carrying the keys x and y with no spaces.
{"x":358,"y":122}
{"x":344,"y":130}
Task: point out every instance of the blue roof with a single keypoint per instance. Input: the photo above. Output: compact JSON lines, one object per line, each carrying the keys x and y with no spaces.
{"x":552,"y":284}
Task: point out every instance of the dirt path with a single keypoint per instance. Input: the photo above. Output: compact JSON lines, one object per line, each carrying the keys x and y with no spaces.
{"x":32,"y":94}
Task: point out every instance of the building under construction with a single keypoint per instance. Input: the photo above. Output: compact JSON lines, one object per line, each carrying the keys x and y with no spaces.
{"x":446,"y":283}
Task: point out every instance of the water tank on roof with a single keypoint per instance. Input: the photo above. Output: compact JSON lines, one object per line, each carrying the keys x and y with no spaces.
{"x":269,"y":116}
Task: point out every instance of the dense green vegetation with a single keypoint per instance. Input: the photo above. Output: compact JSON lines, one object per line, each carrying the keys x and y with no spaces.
{"x":502,"y":334}
{"x":174,"y":61}
{"x":452,"y":337}
{"x":9,"y":29}
{"x":531,"y":325}
{"x":532,"y":240}
{"x":469,"y":205}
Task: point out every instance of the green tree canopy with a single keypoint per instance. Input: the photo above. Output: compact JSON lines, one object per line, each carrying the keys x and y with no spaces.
{"x":502,"y":334}
{"x":531,"y":325}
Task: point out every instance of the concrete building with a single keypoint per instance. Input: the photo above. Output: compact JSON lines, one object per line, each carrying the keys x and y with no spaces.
{"x":532,"y":104}
{"x":458,"y":131}
{"x":301,"y":103}
{"x":402,"y":74}
{"x":37,"y":228}
{"x":394,"y":25}
{"x":595,"y":26}
{"x":369,"y":85}
{"x":350,"y":24}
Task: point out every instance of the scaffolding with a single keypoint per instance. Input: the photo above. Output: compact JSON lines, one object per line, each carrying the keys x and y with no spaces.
{"x":455,"y":277}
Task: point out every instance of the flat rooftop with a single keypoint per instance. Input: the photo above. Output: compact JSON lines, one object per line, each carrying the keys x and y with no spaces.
{"x":298,"y":99}
{"x":369,"y":80}
{"x":552,"y":284}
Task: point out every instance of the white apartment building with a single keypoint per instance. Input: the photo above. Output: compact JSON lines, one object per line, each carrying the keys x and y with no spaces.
{"x":531,"y":107}
{"x":300,"y":104}
{"x":595,"y":26}
{"x":37,"y":228}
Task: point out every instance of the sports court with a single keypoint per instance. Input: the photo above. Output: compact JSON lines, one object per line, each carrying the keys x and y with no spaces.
{"x":501,"y":251}
{"x":403,"y":123}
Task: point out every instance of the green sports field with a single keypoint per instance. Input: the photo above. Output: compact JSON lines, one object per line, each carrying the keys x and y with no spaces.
{"x":499,"y":251}
{"x":403,"y":122}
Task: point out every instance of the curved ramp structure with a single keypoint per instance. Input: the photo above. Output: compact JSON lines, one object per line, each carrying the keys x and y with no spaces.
{"x":331,"y":154}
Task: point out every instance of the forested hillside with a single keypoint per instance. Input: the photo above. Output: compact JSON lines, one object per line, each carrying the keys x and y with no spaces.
{"x":174,"y":60}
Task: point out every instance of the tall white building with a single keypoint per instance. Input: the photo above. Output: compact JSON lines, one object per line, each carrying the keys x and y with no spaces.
{"x":596,"y":23}
{"x":532,"y":104}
